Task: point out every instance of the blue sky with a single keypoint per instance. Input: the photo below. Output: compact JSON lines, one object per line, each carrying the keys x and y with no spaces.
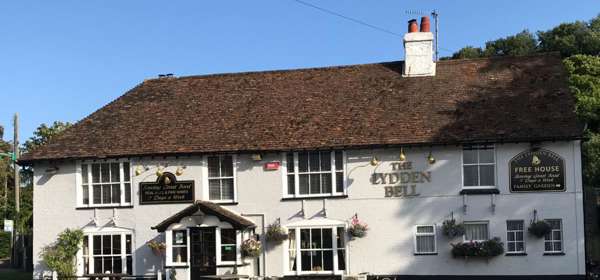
{"x":62,"y":60}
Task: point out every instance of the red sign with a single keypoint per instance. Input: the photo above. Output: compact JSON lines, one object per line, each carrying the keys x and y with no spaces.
{"x":273,"y":165}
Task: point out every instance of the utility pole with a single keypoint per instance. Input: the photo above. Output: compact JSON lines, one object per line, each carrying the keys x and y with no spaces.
{"x":435,"y":16}
{"x":17,"y":241}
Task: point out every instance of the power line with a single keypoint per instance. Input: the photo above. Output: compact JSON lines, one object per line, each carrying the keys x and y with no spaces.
{"x":347,"y":18}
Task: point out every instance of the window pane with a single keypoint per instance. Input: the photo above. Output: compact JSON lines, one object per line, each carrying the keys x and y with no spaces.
{"x":341,"y":233}
{"x":97,"y":245}
{"x":303,"y":162}
{"x":227,"y":236}
{"x":339,"y":182}
{"x":126,"y":172}
{"x":179,"y":237}
{"x":128,"y":245}
{"x":316,"y":242}
{"x":341,"y":260}
{"x":114,"y":172}
{"x":213,"y":166}
{"x":520,"y":246}
{"x":84,"y":173}
{"x":104,"y":171}
{"x":180,"y":254}
{"x":128,"y":192}
{"x":305,"y":238}
{"x":116,"y":244}
{"x":425,"y":229}
{"x":425,"y":244}
{"x":106,"y":244}
{"x":227,"y":189}
{"x":306,"y":260}
{"x":96,"y":173}
{"x":326,"y":183}
{"x":519,"y":235}
{"x":548,"y":246}
{"x":315,"y":183}
{"x":476,"y":232}
{"x":325,"y":161}
{"x":339,"y":160}
{"x":228,"y":253}
{"x":290,"y":162}
{"x":130,"y":265}
{"x":98,"y":265}
{"x":487,"y":175}
{"x":328,"y":260}
{"x":106,"y":194}
{"x":117,"y":265}
{"x":227,"y":166}
{"x":116,"y":193}
{"x":327,"y":238}
{"x":317,"y":261}
{"x":85,"y":194}
{"x":97,"y":194}
{"x":303,"y":184}
{"x":469,"y":156}
{"x":214,"y":189}
{"x":514,"y":225}
{"x":510,"y":236}
{"x":85,"y":246}
{"x":511,"y":247}
{"x":470,"y":176}
{"x":291,"y":184}
{"x":314,"y":161}
{"x":486,"y":156}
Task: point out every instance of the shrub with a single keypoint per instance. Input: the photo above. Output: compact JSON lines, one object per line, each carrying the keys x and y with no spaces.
{"x":486,"y":249}
{"x":60,"y":256}
{"x":4,"y":244}
{"x":452,"y":229}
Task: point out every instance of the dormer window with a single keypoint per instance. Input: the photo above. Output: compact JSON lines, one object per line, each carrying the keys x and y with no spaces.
{"x":104,"y":184}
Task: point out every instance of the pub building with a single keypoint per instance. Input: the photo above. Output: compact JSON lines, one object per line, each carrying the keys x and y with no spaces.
{"x":411,"y":169}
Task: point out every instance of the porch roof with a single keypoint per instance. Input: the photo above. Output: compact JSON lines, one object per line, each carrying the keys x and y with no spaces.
{"x":208,"y":208}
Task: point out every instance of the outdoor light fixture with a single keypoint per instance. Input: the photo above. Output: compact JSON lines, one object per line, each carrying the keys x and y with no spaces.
{"x":430,"y":158}
{"x":179,"y":170}
{"x":402,"y":155}
{"x":52,"y":170}
{"x":374,"y":161}
{"x":159,"y":171}
{"x":139,"y":170}
{"x":256,"y":157}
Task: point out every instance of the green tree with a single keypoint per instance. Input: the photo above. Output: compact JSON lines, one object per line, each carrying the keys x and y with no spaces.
{"x":572,"y":38}
{"x":43,"y":134}
{"x":523,"y":43}
{"x":468,"y":52}
{"x":60,"y":256}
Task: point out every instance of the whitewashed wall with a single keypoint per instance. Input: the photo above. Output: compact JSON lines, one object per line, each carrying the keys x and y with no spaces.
{"x":388,"y":247}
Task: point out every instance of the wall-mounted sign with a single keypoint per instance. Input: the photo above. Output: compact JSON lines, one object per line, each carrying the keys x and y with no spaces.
{"x":402,"y":181}
{"x":537,"y":171}
{"x":166,"y":189}
{"x":8,"y":225}
{"x":271,"y":166}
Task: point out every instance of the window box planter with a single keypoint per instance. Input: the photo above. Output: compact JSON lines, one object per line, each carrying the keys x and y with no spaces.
{"x":484,"y":249}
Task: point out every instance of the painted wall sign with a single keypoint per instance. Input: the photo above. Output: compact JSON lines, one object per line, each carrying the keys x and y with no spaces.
{"x":537,"y":171}
{"x":273,"y":165}
{"x":166,"y":189}
{"x":402,"y":181}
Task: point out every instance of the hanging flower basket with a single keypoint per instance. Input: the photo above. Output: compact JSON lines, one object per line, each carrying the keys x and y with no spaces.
{"x":275,"y":233}
{"x":484,"y":249}
{"x":451,"y":228}
{"x":251,"y":248}
{"x":539,"y":228}
{"x":357,"y":228}
{"x":158,"y":248}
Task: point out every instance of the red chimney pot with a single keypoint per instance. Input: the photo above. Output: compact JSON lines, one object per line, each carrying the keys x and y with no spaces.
{"x":425,"y":24}
{"x":412,"y":26}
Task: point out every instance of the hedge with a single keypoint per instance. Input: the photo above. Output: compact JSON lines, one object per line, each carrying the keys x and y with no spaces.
{"x":4,"y":245}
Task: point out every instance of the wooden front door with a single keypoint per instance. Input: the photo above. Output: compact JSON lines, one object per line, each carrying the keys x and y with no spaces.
{"x":203,"y":252}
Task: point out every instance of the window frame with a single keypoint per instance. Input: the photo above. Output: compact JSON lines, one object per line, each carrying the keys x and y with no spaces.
{"x":418,"y":234}
{"x":487,"y":223}
{"x":219,"y":245}
{"x":90,"y":184}
{"x":334,"y":248}
{"x":206,"y":179}
{"x":169,"y":247}
{"x":297,"y":173}
{"x":561,"y":240}
{"x":90,"y":256}
{"x":463,"y":164}
{"x":516,"y":241}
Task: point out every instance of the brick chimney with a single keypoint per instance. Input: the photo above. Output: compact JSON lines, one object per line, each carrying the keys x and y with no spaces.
{"x":418,"y":50}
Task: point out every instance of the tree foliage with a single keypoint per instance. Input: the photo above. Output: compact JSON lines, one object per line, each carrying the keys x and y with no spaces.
{"x":43,"y":134}
{"x":60,"y":256}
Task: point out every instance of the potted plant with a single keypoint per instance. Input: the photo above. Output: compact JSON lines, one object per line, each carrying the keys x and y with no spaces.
{"x":251,"y":248}
{"x":484,"y":249}
{"x":451,"y":228}
{"x":357,"y":228}
{"x":275,"y":233}
{"x":538,"y":228}
{"x":158,"y":248}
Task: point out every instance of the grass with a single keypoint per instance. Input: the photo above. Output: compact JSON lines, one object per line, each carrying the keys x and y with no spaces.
{"x":7,"y":274}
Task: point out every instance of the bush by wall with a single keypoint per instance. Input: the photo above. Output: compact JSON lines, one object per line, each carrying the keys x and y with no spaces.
{"x":4,"y":245}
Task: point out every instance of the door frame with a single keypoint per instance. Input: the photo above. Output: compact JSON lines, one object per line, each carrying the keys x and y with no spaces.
{"x":201,"y":228}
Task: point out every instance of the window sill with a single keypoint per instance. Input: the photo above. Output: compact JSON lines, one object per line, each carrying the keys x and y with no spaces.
{"x":425,"y":254}
{"x":225,"y":202}
{"x":177,"y":266}
{"x":102,"y":207}
{"x":479,"y":191}
{"x":515,"y":254}
{"x":315,"y":197}
{"x":233,"y":264}
{"x":554,"y":254}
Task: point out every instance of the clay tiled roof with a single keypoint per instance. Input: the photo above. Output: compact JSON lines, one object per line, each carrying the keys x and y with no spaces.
{"x":493,"y":99}
{"x":208,"y":208}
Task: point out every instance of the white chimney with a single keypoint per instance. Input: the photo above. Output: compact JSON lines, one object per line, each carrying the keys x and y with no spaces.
{"x":418,"y":50}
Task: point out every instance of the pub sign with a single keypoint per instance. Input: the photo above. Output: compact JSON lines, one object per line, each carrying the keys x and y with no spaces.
{"x":166,"y":190}
{"x":537,"y":171}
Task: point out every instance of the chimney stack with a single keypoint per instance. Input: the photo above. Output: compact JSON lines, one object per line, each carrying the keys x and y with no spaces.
{"x":418,"y":49}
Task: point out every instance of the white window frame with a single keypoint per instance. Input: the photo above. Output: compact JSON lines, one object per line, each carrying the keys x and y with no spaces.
{"x":418,"y":234}
{"x":487,"y":223}
{"x":552,"y":240}
{"x":296,"y":174}
{"x":218,"y":245}
{"x":463,"y":164}
{"x":205,"y":181}
{"x":79,"y":182}
{"x":90,"y":235}
{"x":169,"y":250}
{"x":334,"y":248}
{"x":508,"y":231}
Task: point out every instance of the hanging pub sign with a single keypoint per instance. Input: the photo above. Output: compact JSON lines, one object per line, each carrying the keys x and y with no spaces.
{"x":537,"y":171}
{"x":166,"y":189}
